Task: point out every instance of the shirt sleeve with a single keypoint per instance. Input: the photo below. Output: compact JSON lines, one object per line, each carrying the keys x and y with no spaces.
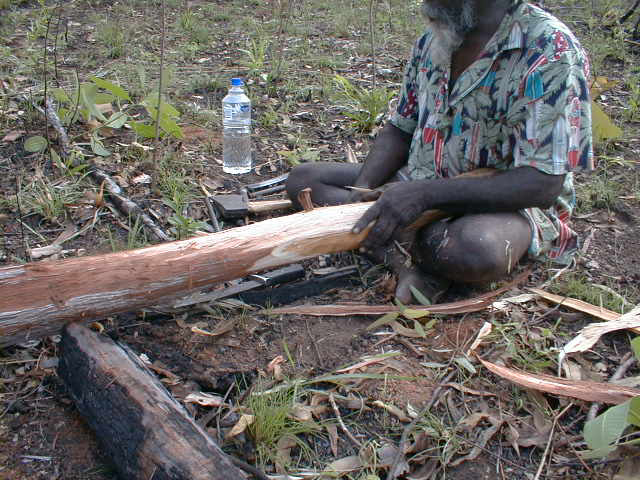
{"x":405,"y":116}
{"x":552,"y":131}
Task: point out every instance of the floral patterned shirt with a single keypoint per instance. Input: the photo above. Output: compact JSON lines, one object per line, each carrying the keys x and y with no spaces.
{"x":523,"y":102}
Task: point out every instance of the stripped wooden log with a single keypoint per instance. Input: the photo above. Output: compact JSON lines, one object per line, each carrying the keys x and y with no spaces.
{"x":144,"y":430}
{"x":37,"y":299}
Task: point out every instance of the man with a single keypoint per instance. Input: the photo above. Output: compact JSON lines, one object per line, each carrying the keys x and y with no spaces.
{"x":492,"y":83}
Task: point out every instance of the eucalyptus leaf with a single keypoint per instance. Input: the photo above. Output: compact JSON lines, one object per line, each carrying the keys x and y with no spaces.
{"x":60,"y":95}
{"x":413,"y":313}
{"x":117,"y":90}
{"x":608,"y":427}
{"x":117,"y":120}
{"x":34,"y":144}
{"x":466,"y":364}
{"x":104,"y":98}
{"x":634,"y":412}
{"x":384,"y":320}
{"x":417,"y":326}
{"x":144,"y":130}
{"x":98,"y":147}
{"x":635,"y":346}
{"x":420,"y":296}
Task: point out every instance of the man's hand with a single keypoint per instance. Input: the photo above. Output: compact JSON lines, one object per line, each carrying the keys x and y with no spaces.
{"x":358,"y":194}
{"x":399,"y":205}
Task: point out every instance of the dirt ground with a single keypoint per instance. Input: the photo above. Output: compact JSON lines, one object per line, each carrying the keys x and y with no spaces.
{"x":41,"y":433}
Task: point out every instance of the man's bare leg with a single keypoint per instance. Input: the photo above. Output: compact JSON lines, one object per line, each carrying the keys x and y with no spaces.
{"x":327,"y":182}
{"x":473,"y":248}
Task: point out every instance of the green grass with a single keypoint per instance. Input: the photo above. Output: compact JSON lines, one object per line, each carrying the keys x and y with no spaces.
{"x":577,"y":286}
{"x":273,"y":422}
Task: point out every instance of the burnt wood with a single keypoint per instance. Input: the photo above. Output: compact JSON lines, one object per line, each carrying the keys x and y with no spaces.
{"x":147,"y":434}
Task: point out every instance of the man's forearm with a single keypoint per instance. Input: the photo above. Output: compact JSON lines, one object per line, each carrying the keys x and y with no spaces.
{"x":389,"y":154}
{"x":510,"y":190}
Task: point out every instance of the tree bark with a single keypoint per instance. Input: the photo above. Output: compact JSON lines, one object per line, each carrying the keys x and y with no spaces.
{"x":37,"y":299}
{"x":144,"y":430}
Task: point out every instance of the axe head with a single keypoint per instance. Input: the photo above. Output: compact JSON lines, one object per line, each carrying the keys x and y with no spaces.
{"x":231,"y":206}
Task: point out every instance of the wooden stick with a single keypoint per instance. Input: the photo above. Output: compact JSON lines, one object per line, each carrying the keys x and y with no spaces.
{"x":144,"y":430}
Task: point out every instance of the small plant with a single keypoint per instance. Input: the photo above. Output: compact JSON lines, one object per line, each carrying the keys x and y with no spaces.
{"x":273,"y":421}
{"x":114,"y":38}
{"x":365,"y":107}
{"x":136,"y":237}
{"x":578,"y":287}
{"x":633,"y":113}
{"x":256,"y":55}
{"x":606,"y":432}
{"x":49,"y":200}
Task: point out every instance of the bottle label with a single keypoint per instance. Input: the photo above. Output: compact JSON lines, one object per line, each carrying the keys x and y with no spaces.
{"x":232,"y":110}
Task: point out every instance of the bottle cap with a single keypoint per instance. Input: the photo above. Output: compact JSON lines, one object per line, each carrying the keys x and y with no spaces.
{"x":237,"y":82}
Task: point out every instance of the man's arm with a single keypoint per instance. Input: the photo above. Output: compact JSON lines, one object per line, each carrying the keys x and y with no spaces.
{"x":508,"y":191}
{"x":389,"y":154}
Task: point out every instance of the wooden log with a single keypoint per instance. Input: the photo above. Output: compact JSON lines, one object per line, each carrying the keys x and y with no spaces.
{"x":144,"y":430}
{"x":37,"y":299}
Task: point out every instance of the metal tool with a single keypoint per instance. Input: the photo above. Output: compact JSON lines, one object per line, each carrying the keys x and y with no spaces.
{"x":238,"y":206}
{"x":281,"y":275}
{"x":255,"y":187}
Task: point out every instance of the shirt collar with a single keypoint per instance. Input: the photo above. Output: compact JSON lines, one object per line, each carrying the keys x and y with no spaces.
{"x":511,"y":32}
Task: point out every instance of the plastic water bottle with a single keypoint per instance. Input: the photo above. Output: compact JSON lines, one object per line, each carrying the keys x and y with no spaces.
{"x":236,"y":123}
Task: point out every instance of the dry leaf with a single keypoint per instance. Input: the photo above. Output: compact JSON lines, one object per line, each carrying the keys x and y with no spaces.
{"x":13,"y":135}
{"x":484,"y":331}
{"x":392,"y":409}
{"x":580,"y":306}
{"x":205,"y":399}
{"x":481,"y":443}
{"x":590,"y":334}
{"x":584,"y":390}
{"x":241,"y":425}
{"x":221,"y":329}
{"x":332,"y":430}
{"x":41,"y":252}
{"x":345,"y":465}
{"x":302,"y":413}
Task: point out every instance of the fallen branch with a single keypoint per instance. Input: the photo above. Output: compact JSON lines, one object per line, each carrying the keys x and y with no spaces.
{"x":144,"y":430}
{"x":122,"y":203}
{"x":584,"y":390}
{"x":351,"y":309}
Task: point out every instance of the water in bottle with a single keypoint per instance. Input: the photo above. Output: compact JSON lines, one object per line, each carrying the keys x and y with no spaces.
{"x":236,"y":122}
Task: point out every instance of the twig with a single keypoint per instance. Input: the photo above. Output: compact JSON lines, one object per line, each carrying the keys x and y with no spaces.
{"x":46,"y":85}
{"x":342,"y":425}
{"x":372,"y":39}
{"x":626,"y":16}
{"x":627,"y":362}
{"x":392,"y":475}
{"x":159,"y":112}
{"x":548,"y":448}
{"x":314,"y":343}
{"x":242,"y":465}
{"x":212,"y":214}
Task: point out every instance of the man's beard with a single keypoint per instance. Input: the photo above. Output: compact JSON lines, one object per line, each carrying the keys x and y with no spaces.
{"x":449,"y":27}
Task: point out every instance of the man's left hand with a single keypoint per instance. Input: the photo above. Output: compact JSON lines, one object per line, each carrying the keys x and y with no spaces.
{"x":399,"y":206}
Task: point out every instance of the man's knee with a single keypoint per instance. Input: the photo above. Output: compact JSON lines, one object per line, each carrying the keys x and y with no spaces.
{"x":299,"y":178}
{"x":476,"y":249}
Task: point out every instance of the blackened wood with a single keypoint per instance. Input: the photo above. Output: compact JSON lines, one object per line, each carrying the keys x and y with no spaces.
{"x":147,"y":434}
